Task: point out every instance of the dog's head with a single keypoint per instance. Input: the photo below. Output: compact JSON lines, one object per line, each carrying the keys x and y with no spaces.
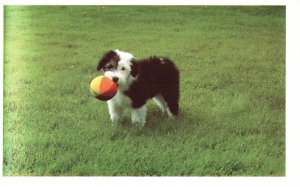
{"x":119,"y":66}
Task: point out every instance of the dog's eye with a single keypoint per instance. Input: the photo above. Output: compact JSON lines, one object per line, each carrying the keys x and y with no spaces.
{"x":122,"y":68}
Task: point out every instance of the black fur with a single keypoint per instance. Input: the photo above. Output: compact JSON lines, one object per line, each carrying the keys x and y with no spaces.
{"x":154,"y":75}
{"x":109,"y":57}
{"x":134,"y":68}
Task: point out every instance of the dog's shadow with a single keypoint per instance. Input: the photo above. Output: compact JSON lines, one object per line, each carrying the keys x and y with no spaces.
{"x":158,"y":124}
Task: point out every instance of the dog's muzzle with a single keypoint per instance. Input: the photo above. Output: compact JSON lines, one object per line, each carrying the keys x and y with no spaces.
{"x":115,"y":79}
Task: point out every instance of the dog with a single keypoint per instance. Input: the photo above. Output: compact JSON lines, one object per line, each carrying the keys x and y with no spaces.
{"x":138,"y":81}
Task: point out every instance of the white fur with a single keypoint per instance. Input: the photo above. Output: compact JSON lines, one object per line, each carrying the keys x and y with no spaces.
{"x":120,"y":101}
{"x":139,"y":115}
{"x":124,"y":75}
{"x":117,"y":105}
{"x":160,"y":101}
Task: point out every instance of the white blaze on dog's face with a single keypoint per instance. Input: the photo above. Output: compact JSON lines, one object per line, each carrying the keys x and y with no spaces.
{"x":120,"y":71}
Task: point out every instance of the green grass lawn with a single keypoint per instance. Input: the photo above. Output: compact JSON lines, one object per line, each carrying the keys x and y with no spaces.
{"x":232,"y":104}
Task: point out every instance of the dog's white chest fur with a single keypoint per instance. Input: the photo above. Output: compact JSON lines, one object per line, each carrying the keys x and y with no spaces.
{"x":121,"y":100}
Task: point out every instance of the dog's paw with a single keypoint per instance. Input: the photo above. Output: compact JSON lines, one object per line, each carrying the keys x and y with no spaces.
{"x":139,"y":122}
{"x":114,"y":119}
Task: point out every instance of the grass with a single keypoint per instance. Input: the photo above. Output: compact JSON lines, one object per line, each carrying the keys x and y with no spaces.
{"x":232,"y":104}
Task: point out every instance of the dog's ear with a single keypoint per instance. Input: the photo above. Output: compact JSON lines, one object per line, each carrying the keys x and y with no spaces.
{"x":108,"y":56}
{"x":134,"y":68}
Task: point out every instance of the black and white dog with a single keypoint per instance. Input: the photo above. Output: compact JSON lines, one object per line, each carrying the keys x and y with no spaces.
{"x":138,"y":81}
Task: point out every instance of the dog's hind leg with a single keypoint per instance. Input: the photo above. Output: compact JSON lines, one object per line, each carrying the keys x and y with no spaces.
{"x":172,"y":101}
{"x":161,"y":103}
{"x":164,"y":106}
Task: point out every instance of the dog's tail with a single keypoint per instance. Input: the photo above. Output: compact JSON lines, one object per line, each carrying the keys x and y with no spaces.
{"x":172,"y":91}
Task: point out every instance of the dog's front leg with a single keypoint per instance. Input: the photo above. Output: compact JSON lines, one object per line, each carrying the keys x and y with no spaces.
{"x":115,"y":112}
{"x":138,"y":115}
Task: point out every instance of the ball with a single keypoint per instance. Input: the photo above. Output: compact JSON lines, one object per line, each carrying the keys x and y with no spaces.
{"x":103,"y":88}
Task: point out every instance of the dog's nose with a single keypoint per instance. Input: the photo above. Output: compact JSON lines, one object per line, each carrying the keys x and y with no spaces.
{"x":115,"y":79}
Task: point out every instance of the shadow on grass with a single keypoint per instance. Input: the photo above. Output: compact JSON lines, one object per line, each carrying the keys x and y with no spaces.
{"x":158,"y":124}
